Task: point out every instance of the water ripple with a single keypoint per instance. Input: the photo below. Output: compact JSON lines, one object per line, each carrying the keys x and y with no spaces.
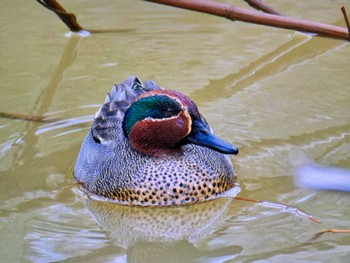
{"x":66,"y":123}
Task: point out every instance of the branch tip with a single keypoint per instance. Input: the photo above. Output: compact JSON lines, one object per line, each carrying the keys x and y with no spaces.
{"x":68,"y":18}
{"x":346,"y":19}
{"x":260,"y":5}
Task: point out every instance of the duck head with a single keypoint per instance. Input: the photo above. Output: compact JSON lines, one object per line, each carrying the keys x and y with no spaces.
{"x":161,"y":121}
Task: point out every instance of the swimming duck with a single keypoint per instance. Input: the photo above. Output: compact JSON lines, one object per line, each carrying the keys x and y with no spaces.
{"x":151,"y":147}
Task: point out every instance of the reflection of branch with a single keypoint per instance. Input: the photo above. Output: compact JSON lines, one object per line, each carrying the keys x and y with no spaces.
{"x":260,"y":5}
{"x":16,"y":116}
{"x":241,"y":14}
{"x":291,"y":53}
{"x":44,"y":101}
{"x":68,"y":18}
{"x":43,"y":104}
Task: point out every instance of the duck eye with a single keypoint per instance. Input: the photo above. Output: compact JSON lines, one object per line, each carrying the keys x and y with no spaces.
{"x":169,"y":112}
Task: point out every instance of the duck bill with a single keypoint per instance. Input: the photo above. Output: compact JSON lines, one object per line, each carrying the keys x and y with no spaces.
{"x":202,"y":136}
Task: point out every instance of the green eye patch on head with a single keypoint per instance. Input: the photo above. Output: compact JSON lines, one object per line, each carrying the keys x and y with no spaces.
{"x":154,"y":107}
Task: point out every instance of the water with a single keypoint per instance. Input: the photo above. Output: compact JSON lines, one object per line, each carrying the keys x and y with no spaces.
{"x":281,"y":96}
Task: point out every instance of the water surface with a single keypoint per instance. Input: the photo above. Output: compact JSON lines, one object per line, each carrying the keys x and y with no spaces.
{"x":283,"y":97}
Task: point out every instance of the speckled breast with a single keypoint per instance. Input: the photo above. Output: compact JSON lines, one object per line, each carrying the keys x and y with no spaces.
{"x":194,"y":175}
{"x":177,"y":182}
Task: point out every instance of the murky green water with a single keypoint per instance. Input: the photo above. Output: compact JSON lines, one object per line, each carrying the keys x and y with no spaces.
{"x":280,"y":96}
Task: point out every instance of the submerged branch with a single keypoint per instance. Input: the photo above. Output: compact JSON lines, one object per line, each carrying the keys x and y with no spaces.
{"x":333,"y":231}
{"x":16,"y":116}
{"x":281,"y":207}
{"x":241,"y":14}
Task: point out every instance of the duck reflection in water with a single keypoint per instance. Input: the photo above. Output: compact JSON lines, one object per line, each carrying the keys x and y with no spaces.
{"x":154,"y":234}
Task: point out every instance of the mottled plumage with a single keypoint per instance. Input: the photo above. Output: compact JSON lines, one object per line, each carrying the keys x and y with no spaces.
{"x":170,"y":168}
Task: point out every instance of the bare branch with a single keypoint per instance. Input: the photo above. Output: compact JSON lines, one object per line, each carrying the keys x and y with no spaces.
{"x":346,"y":20}
{"x":241,"y":14}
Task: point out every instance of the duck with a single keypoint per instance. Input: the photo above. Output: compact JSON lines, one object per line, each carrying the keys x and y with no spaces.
{"x":149,"y":146}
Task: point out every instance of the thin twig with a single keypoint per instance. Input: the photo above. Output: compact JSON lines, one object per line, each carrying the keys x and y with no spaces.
{"x":260,"y":5}
{"x":346,"y":19}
